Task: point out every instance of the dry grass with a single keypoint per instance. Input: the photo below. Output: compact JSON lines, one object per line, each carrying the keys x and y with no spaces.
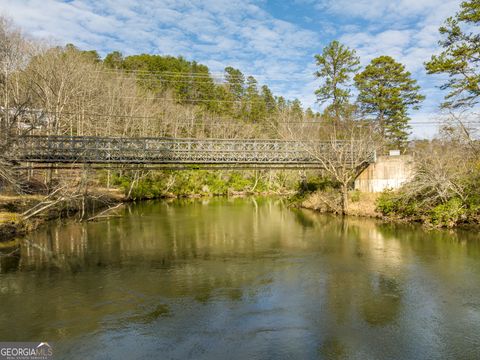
{"x":360,"y":204}
{"x":112,"y":193}
{"x":10,"y":225}
{"x":9,"y":218}
{"x":18,"y":203}
{"x":9,"y":244}
{"x":365,"y":206}
{"x":323,"y":201}
{"x":9,"y":198}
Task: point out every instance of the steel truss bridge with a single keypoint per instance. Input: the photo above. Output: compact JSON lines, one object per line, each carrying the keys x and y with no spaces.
{"x":174,"y":153}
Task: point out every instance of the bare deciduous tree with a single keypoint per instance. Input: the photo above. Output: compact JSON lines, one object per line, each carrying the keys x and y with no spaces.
{"x":343,"y":150}
{"x":16,"y":116}
{"x":442,"y":169}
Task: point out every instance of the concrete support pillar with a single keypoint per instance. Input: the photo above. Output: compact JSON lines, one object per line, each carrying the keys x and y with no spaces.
{"x":388,"y":172}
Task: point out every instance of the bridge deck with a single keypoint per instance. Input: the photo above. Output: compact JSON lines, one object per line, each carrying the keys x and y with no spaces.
{"x":111,"y":150}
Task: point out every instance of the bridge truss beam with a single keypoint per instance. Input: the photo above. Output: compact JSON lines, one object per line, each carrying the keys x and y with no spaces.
{"x":171,"y":152}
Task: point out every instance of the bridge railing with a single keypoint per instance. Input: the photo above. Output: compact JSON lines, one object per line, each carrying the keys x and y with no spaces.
{"x":80,"y":149}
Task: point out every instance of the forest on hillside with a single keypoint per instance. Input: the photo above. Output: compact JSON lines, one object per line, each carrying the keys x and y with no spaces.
{"x":64,"y":90}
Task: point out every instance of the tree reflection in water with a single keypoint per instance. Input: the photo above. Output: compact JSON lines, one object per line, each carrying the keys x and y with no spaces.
{"x":243,"y":271}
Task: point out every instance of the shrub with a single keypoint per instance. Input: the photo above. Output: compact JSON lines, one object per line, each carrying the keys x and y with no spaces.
{"x":190,"y":182}
{"x":448,"y":214}
{"x":386,"y":203}
{"x":238,"y":183}
{"x":397,"y":203}
{"x":355,"y":196}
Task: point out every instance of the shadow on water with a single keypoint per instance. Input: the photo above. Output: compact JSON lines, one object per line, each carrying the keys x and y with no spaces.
{"x":195,"y":278}
{"x":303,"y":219}
{"x":9,"y":258}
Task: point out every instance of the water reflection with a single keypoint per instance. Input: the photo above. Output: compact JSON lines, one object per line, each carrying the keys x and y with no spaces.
{"x":197,"y":278}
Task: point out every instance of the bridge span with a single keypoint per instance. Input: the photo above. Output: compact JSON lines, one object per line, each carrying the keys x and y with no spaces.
{"x":168,"y":152}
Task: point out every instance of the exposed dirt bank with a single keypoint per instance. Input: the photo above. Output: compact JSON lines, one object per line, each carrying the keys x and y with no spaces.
{"x":359,"y":204}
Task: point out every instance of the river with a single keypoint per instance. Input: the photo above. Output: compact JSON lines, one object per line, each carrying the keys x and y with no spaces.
{"x":243,"y":279}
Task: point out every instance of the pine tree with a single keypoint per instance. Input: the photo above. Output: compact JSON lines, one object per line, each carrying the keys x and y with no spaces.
{"x":253,"y":107}
{"x":387,"y":91}
{"x":281,"y":103}
{"x":296,"y":110}
{"x":336,"y":65}
{"x":460,"y":58}
{"x":113,"y":60}
{"x":268,"y":99}
{"x":235,"y":82}
{"x":309,"y":114}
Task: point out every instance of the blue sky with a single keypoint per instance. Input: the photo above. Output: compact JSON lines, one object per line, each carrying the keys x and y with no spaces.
{"x":272,"y":40}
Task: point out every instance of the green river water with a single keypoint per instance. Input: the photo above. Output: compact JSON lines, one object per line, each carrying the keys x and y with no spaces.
{"x":243,"y":279}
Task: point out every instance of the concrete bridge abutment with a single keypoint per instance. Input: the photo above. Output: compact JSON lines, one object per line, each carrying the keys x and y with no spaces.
{"x":387,"y":172}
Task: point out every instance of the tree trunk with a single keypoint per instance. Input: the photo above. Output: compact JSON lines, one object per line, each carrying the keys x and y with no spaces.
{"x":344,"y":194}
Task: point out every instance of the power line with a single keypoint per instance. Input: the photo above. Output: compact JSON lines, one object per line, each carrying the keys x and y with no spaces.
{"x":108,"y":115}
{"x":232,"y":122}
{"x":183,"y":101}
{"x":197,"y":74}
{"x":169,"y":81}
{"x":183,"y":79}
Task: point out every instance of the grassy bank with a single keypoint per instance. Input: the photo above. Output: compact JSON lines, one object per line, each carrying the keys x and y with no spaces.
{"x":196,"y":183}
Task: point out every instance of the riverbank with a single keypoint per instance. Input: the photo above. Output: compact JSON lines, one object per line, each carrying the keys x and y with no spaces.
{"x":372,"y":205}
{"x":14,"y":207}
{"x":18,"y":217}
{"x":359,"y":204}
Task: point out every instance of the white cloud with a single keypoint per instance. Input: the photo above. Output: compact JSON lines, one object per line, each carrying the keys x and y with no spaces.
{"x":381,"y":10}
{"x":220,"y":29}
